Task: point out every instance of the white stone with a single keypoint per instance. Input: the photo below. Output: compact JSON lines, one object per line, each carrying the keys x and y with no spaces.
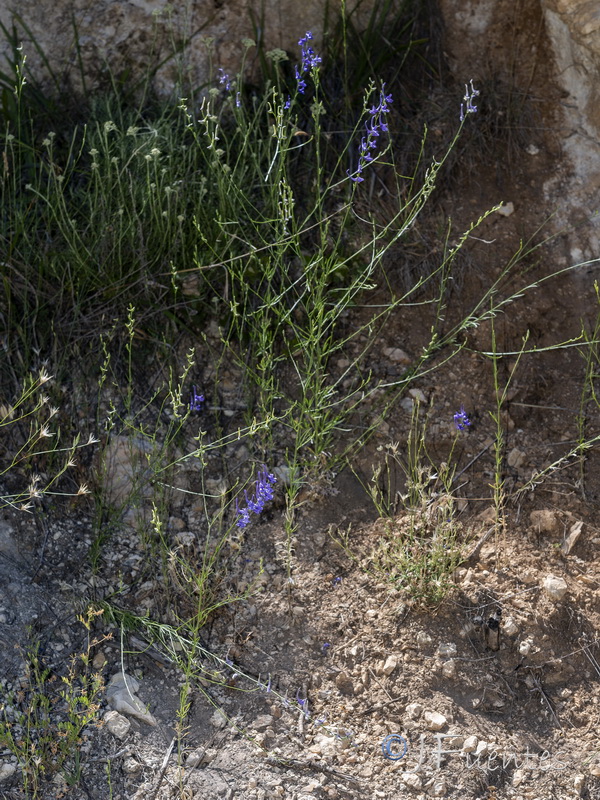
{"x":438,"y":788}
{"x":519,"y":775}
{"x":194,"y":759}
{"x":507,"y":209}
{"x":470,"y":744}
{"x":510,"y":627}
{"x":412,"y":780}
{"x":481,"y":749}
{"x":418,"y":395}
{"x":390,"y":665}
{"x":121,"y":695}
{"x":516,"y":458}
{"x":414,"y":710}
{"x":446,"y":649}
{"x":572,"y":538}
{"x":423,"y":639}
{"x":525,"y":647}
{"x":325,"y":745}
{"x":434,"y":720}
{"x":555,"y":588}
{"x":117,"y":724}
{"x":396,"y":355}
{"x":7,"y":771}
{"x":449,"y":668}
{"x":124,"y":468}
{"x":218,"y":719}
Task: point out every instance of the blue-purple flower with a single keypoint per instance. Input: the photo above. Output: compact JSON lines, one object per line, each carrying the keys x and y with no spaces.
{"x":263,"y":492}
{"x":467,"y":106}
{"x":309,"y":58}
{"x":196,"y":400}
{"x":375,"y":126}
{"x":461,"y":420}
{"x":224,"y":79}
{"x":300,"y":80}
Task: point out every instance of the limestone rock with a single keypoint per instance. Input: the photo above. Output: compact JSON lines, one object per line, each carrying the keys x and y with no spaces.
{"x":131,"y":36}
{"x":571,"y":540}
{"x":449,"y":668}
{"x":218,"y":719}
{"x":390,"y":664}
{"x":117,"y":724}
{"x":414,"y":710}
{"x":434,"y":720}
{"x":544,"y":520}
{"x":121,"y":695}
{"x":344,"y":683}
{"x":446,"y":649}
{"x":412,"y":780}
{"x":555,"y":588}
{"x":438,"y":788}
{"x":396,"y":355}
{"x":7,"y":770}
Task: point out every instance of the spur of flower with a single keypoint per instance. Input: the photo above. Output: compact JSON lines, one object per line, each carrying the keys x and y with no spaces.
{"x":263,"y":492}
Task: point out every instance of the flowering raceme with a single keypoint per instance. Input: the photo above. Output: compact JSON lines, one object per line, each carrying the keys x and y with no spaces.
{"x":310,"y":61}
{"x":263,"y":492}
{"x":461,"y":420}
{"x":375,"y":126}
{"x":468,"y":107}
{"x":196,"y":400}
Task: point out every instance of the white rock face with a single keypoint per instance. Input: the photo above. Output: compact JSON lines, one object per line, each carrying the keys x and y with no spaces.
{"x":124,"y":468}
{"x":127,"y":35}
{"x":571,"y":38}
